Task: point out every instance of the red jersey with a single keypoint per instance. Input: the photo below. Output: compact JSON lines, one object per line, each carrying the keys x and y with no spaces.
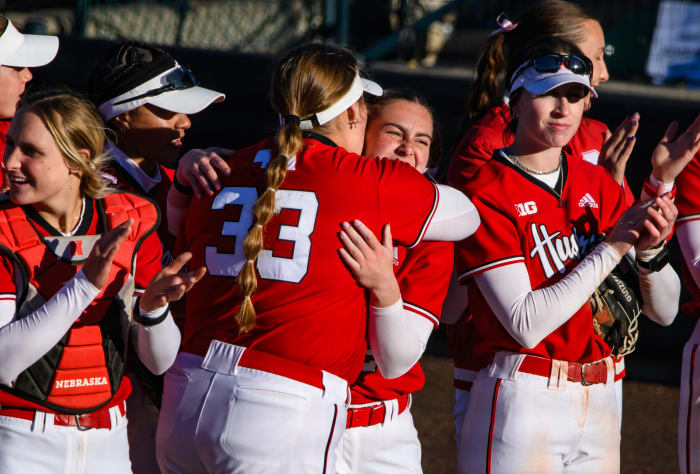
{"x":423,"y":274}
{"x":159,"y":193}
{"x":309,"y":307}
{"x":688,"y":204}
{"x":525,"y":221}
{"x":147,"y":265}
{"x":490,"y":133}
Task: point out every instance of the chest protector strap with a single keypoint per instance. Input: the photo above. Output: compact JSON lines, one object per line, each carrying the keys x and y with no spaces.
{"x":83,"y":371}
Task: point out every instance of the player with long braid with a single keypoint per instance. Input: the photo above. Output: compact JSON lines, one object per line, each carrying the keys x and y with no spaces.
{"x":261,"y":381}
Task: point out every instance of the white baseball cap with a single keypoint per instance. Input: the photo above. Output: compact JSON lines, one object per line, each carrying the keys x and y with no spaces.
{"x":542,"y":82}
{"x":20,"y":50}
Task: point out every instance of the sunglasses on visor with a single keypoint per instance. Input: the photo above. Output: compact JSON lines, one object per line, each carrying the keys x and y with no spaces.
{"x":551,"y":63}
{"x":180,"y":78}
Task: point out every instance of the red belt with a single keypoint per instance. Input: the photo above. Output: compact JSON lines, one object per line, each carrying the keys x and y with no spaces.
{"x":96,"y":419}
{"x":374,"y":414}
{"x":257,"y":360}
{"x":586,"y":374}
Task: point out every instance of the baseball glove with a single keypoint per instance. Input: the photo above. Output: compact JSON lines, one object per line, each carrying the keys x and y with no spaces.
{"x":616,"y":306}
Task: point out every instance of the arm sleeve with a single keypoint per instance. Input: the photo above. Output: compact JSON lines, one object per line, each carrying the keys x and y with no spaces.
{"x":689,"y":240}
{"x":24,"y":341}
{"x":399,"y":333}
{"x":157,"y":345}
{"x":531,"y":315}
{"x":397,"y":337}
{"x":661,"y":292}
{"x":456,"y":218}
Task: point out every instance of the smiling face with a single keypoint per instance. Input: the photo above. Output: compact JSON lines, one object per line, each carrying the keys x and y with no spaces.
{"x":36,"y":168}
{"x":12,"y":83}
{"x":549,"y":120}
{"x":401,"y":130}
{"x":153,"y":133}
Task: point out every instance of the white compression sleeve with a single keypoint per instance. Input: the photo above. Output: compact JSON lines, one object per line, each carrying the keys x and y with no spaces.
{"x":397,"y":338}
{"x":455,"y":218}
{"x":24,"y":341}
{"x":661,"y":292}
{"x":531,"y":315}
{"x":157,"y":345}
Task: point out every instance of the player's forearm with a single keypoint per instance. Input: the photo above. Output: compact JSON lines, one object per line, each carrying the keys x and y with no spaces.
{"x":176,"y":207}
{"x":529,"y":315}
{"x":24,"y":341}
{"x":397,"y":338}
{"x":157,"y":345}
{"x":456,"y":218}
{"x":661,"y":292}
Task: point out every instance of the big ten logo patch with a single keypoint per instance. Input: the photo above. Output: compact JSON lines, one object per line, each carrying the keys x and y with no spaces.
{"x":526,"y":208}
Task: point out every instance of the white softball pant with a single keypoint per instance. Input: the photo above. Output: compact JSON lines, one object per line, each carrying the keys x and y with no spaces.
{"x":525,"y":423}
{"x":688,"y":409}
{"x":218,"y":416}
{"x":40,"y":447}
{"x":391,"y":446}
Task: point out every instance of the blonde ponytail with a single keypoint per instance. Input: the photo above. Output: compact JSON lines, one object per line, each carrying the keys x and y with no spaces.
{"x":289,"y":143}
{"x":308,"y":79}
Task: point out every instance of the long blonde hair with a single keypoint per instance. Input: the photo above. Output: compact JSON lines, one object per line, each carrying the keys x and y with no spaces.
{"x":306,"y":80}
{"x":75,"y":124}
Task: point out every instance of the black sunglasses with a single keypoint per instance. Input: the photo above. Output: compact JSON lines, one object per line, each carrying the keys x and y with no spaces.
{"x":553,"y":62}
{"x":180,"y":78}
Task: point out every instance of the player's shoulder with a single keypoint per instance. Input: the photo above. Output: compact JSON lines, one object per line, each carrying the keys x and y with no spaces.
{"x":489,"y":180}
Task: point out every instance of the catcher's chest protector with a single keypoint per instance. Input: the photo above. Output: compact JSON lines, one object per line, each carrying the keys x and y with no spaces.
{"x":84,"y":369}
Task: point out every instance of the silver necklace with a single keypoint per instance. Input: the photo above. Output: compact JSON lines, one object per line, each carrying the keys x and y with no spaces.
{"x":519,"y":164}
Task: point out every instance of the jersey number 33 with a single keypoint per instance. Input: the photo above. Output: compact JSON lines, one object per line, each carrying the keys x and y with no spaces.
{"x":269,"y":267}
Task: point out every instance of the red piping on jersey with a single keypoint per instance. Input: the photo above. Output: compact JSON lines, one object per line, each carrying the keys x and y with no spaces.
{"x":493,"y":422}
{"x":330,"y":438}
{"x":690,"y":411}
{"x":501,"y":262}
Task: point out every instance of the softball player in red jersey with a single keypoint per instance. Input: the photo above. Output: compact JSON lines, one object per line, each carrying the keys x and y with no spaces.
{"x":490,"y":117}
{"x":261,"y":382}
{"x":67,"y":294}
{"x":547,"y":402}
{"x":381,"y":436}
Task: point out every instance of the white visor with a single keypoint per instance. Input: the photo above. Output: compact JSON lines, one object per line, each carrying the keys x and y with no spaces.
{"x":359,"y":86}
{"x":542,"y":82}
{"x":19,"y":50}
{"x":182,"y":99}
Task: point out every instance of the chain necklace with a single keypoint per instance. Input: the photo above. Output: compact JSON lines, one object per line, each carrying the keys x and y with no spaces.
{"x":519,"y":164}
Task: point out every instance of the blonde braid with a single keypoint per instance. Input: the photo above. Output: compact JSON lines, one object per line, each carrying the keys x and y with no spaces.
{"x":289,"y":141}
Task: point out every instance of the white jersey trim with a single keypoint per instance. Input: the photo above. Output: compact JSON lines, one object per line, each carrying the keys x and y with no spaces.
{"x":692,"y":217}
{"x":8,"y":296}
